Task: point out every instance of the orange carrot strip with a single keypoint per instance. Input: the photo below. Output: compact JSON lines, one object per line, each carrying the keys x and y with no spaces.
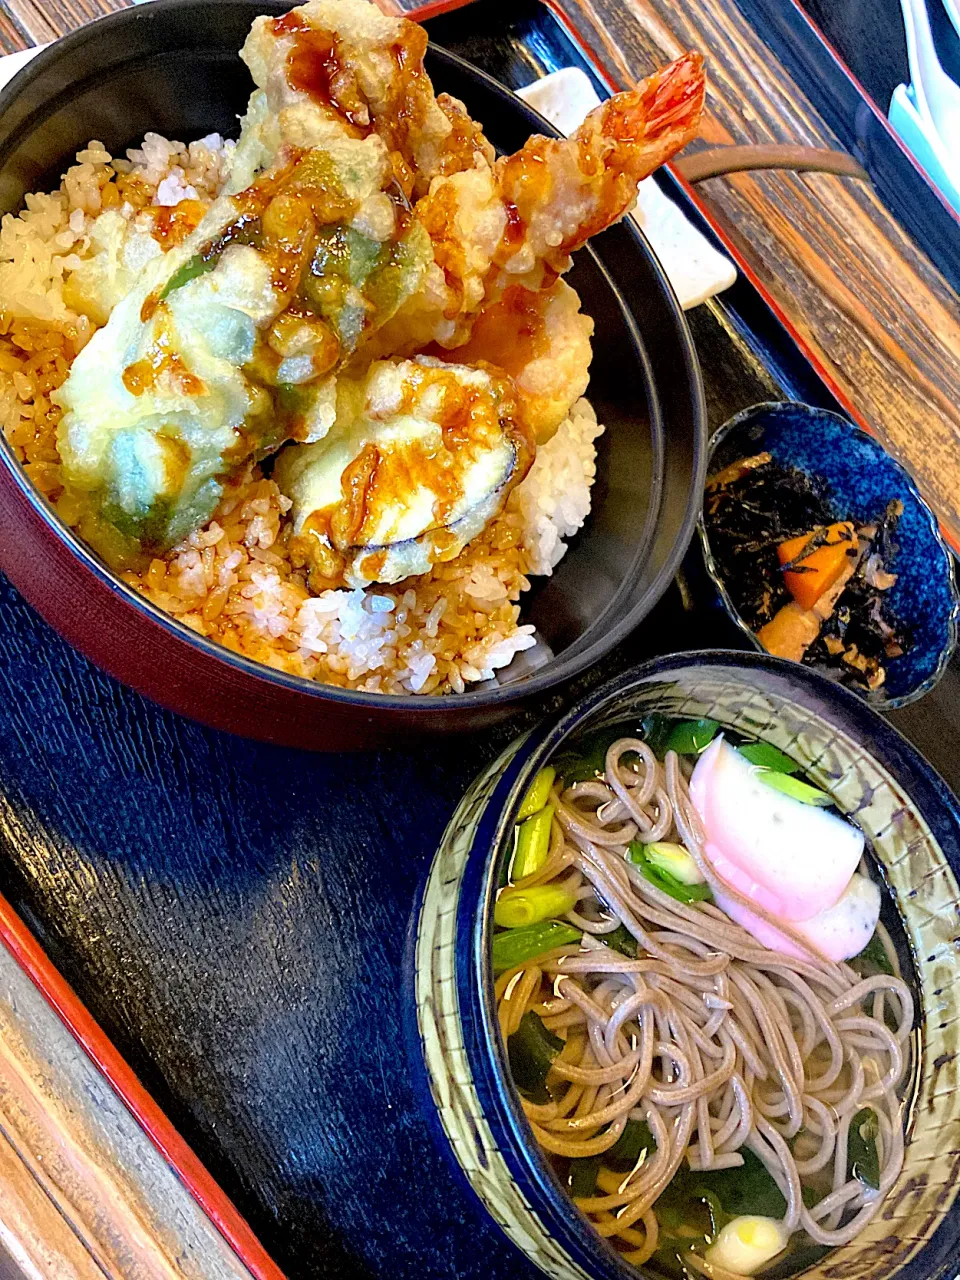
{"x":814,"y":573}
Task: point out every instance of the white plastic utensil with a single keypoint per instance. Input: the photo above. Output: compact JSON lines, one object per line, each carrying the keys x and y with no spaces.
{"x":923,"y":140}
{"x":937,"y":96}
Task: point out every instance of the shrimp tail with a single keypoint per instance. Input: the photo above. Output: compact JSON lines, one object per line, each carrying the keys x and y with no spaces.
{"x":635,"y":132}
{"x":559,"y":192}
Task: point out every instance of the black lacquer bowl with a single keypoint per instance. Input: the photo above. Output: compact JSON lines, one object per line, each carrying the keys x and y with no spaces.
{"x":912,"y":822}
{"x":172,"y":67}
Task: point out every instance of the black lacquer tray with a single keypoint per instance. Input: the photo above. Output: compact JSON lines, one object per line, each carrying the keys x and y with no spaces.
{"x":233,"y":914}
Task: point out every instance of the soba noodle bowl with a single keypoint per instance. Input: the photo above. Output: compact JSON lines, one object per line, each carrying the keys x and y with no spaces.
{"x":679,"y":1055}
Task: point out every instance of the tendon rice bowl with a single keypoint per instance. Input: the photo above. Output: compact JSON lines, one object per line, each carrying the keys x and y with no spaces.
{"x":233,"y":580}
{"x":318,"y":393}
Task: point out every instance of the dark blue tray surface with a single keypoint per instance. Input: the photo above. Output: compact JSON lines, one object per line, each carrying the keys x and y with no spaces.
{"x":234,"y":914}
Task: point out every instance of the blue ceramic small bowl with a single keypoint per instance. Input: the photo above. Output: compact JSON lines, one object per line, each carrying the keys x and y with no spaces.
{"x":913,"y":824}
{"x":863,"y":478}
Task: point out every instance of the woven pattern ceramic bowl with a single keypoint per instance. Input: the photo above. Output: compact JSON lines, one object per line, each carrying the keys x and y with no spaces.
{"x":873,"y":775}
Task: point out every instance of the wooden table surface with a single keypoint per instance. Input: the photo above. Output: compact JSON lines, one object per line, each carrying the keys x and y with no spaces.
{"x":869,"y":304}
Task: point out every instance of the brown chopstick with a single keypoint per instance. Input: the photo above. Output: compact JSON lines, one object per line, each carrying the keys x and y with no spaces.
{"x":717,"y":161}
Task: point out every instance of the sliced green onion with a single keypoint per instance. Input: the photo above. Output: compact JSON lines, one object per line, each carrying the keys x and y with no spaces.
{"x":689,"y":737}
{"x":198,"y":265}
{"x":516,"y":946}
{"x":873,"y":959}
{"x":533,"y":843}
{"x":768,"y":757}
{"x":679,"y":892}
{"x":863,"y":1158}
{"x":582,"y":1177}
{"x":531,"y":1051}
{"x":666,"y":883}
{"x":674,"y":861}
{"x":625,"y":1152}
{"x":538,"y":795}
{"x":518,"y":907}
{"x":794,"y":788}
{"x":622,"y":940}
{"x":746,"y":1245}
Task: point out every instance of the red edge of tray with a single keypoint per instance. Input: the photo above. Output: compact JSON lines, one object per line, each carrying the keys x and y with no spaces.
{"x":437,"y":7}
{"x":214,"y":1202}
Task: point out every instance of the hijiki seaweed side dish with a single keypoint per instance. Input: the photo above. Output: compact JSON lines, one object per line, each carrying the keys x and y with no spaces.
{"x":318,"y":393}
{"x":812,"y":587}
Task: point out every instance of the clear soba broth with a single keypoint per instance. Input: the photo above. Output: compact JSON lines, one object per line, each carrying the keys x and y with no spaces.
{"x":706,"y":997}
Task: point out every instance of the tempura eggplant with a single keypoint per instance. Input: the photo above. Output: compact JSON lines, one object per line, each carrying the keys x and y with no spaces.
{"x":421,"y":459}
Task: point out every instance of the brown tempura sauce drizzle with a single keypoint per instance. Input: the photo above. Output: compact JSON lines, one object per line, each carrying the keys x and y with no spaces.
{"x":380,"y":478}
{"x":281,"y":215}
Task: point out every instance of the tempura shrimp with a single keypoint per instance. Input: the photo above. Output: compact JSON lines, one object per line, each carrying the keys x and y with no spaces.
{"x":557,"y":193}
{"x":534,"y":208}
{"x":542,"y":339}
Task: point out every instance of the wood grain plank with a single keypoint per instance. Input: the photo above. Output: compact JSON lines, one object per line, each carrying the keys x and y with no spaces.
{"x":45,"y":20}
{"x":12,"y":38}
{"x":35,"y":1239}
{"x":31,"y":18}
{"x":84,"y":1193}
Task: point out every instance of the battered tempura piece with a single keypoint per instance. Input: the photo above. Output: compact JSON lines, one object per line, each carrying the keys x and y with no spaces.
{"x":539,"y":337}
{"x":364,"y":220}
{"x":341,"y":68}
{"x":531,"y":210}
{"x":501,"y":234}
{"x":420,"y":459}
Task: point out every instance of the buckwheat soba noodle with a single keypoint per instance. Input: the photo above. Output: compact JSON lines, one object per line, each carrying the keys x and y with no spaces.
{"x":714,"y":1105}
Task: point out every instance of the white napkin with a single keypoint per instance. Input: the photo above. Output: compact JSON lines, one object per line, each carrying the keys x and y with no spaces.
{"x":11,"y":63}
{"x":696,"y":269}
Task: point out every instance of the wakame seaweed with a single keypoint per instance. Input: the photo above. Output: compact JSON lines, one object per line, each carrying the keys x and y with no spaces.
{"x":863,"y":1157}
{"x":582,"y":1176}
{"x":625,"y":1152}
{"x":531,"y":1051}
{"x":873,"y":959}
{"x":622,"y":940}
{"x":747,"y":1189}
{"x":585,"y":758}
